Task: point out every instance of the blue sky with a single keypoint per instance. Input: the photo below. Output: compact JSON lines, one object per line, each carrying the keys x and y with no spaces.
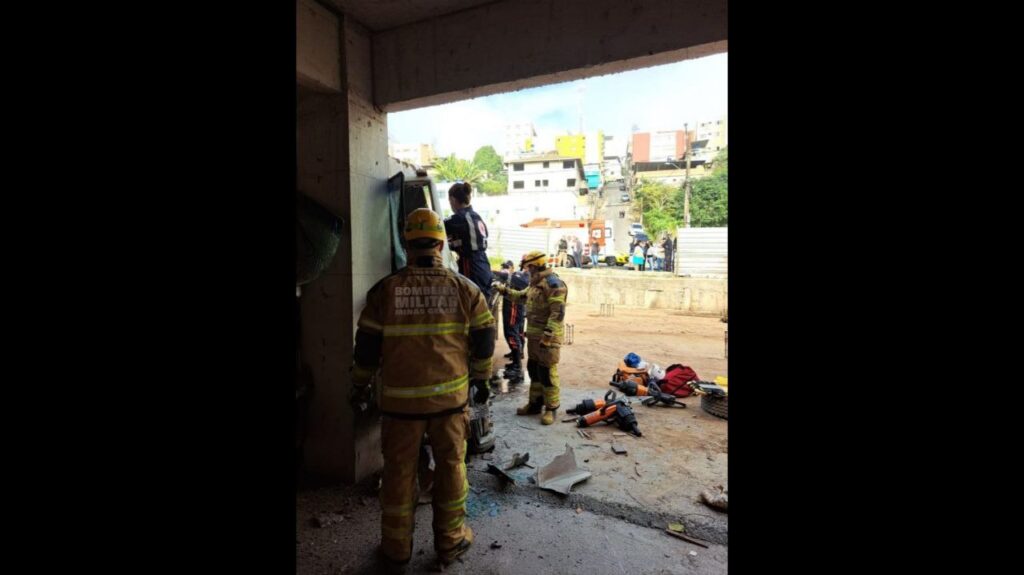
{"x":656,"y":98}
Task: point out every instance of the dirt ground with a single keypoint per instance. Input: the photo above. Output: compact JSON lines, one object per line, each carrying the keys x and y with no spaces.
{"x":682,"y":451}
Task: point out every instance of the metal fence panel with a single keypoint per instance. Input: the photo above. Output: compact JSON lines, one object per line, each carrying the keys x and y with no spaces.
{"x":702,"y":252}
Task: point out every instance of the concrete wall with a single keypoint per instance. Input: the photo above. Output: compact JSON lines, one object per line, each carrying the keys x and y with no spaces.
{"x":317,"y":50}
{"x":371,"y":224}
{"x":646,"y":289}
{"x":343,"y":163}
{"x":511,"y":45}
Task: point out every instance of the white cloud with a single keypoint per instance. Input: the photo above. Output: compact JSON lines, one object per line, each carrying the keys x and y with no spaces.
{"x":656,"y":98}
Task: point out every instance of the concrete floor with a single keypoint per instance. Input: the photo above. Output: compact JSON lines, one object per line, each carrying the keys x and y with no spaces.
{"x":535,"y":539}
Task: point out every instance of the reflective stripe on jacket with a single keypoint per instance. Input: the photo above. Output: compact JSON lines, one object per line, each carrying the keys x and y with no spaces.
{"x":424,"y":317}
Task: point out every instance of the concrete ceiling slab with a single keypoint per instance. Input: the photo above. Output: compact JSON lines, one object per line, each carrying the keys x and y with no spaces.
{"x":380,"y":15}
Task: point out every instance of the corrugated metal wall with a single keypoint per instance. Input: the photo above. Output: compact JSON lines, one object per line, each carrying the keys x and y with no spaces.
{"x":702,"y":252}
{"x":512,"y":243}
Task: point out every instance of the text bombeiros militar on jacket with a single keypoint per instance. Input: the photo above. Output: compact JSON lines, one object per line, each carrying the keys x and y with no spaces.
{"x":426,"y":300}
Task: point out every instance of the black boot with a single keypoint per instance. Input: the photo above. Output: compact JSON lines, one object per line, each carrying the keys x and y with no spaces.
{"x":514,"y":376}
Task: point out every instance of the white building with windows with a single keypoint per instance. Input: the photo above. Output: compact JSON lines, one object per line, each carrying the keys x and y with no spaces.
{"x":546,"y":173}
{"x":716,"y":134}
{"x":519,"y":139}
{"x":612,"y":169}
{"x":545,"y":186}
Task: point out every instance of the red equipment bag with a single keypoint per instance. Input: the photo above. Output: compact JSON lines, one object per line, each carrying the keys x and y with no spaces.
{"x":676,"y":378}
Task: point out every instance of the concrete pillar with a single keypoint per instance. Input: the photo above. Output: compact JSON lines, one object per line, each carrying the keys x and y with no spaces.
{"x":341,"y":157}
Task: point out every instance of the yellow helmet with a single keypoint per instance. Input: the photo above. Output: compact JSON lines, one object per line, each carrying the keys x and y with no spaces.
{"x":424,"y":223}
{"x":535,"y":257}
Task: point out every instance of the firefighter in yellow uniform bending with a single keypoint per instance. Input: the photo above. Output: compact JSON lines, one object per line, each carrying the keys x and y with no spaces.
{"x":430,"y":333}
{"x":545,"y":314}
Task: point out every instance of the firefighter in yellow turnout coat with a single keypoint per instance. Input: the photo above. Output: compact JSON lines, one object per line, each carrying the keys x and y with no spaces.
{"x":545,"y":315}
{"x":431,"y":334}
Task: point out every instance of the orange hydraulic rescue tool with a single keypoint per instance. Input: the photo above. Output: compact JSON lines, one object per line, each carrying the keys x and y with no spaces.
{"x":618,"y":412}
{"x":590,"y":405}
{"x":629,"y":387}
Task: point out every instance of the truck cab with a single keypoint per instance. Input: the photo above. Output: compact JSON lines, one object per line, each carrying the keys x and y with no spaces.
{"x":419,"y":192}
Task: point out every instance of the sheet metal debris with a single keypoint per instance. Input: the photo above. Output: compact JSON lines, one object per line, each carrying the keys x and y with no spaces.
{"x":562,"y":473}
{"x":518,"y":460}
{"x":495,"y":470}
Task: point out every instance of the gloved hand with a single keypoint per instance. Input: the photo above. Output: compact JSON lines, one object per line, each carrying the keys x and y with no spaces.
{"x":546,"y":340}
{"x":499,"y":287}
{"x":360,"y":397}
{"x":481,"y":391}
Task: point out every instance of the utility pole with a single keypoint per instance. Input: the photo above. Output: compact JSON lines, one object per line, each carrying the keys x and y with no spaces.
{"x":686,"y":198}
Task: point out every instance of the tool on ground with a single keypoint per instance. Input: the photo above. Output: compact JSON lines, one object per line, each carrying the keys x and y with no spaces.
{"x":590,"y":405}
{"x":629,"y":387}
{"x":632,"y":369}
{"x":714,"y":396}
{"x":657,"y":396}
{"x":481,"y":427}
{"x":619,"y":413}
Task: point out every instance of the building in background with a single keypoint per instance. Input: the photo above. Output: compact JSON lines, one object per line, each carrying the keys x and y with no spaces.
{"x":612,"y":170}
{"x":589,"y":148}
{"x":520,"y":139}
{"x":661,"y":156}
{"x":661,"y":146}
{"x":546,"y":173}
{"x":715,"y":134}
{"x":415,"y":154}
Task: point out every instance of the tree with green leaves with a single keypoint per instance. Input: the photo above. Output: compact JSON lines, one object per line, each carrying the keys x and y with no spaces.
{"x":656,"y":199}
{"x":494,"y":187}
{"x":489,"y":161}
{"x":664,"y":206}
{"x":709,"y":202}
{"x":709,"y":196}
{"x":452,"y":169}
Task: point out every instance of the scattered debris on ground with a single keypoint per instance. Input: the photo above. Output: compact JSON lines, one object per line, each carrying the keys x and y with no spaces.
{"x":687,"y":538}
{"x":717,"y":498}
{"x":562,"y":473}
{"x":518,"y":460}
